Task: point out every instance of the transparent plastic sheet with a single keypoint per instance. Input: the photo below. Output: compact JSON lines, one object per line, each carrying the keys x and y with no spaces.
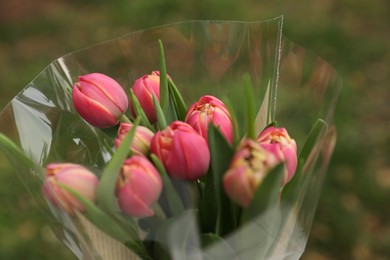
{"x":292,"y":86}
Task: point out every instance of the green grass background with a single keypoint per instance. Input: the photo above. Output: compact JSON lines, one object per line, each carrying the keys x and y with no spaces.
{"x":352,"y":220}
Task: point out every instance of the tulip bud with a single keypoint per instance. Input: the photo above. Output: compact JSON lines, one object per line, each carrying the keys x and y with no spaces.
{"x":182,"y":150}
{"x":144,"y":88}
{"x":73,"y":176}
{"x":284,"y":148}
{"x":141,"y":140}
{"x":249,"y":166}
{"x":99,"y":99}
{"x":208,"y":110}
{"x":139,"y":186}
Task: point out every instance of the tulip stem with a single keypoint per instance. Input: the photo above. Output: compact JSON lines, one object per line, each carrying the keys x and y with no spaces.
{"x":124,"y":119}
{"x":159,"y":211}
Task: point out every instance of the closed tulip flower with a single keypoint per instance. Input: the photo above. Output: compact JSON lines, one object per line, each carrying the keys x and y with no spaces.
{"x":209,"y":109}
{"x":139,"y":186}
{"x":284,"y":148}
{"x":73,"y":176}
{"x":141,"y":141}
{"x":144,"y":88}
{"x":249,"y":166}
{"x":99,"y":99}
{"x":184,"y":153}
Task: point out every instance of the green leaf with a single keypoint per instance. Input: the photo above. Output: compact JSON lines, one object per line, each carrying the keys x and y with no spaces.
{"x":291,"y":189}
{"x":178,"y":101}
{"x":15,"y":154}
{"x":233,"y":117}
{"x":108,"y":224}
{"x":316,"y":132}
{"x":250,"y":107}
{"x":99,"y":218}
{"x":139,"y":110}
{"x":105,"y":195}
{"x":174,"y":202}
{"x":168,"y":102}
{"x":208,"y":205}
{"x":266,"y":195}
{"x":217,"y":209}
{"x":161,"y":121}
{"x":208,"y":239}
{"x":164,"y":98}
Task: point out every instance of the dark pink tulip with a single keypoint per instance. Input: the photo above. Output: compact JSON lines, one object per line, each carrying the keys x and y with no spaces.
{"x":141,"y":141}
{"x":284,"y":148}
{"x":99,"y":99}
{"x":249,"y":166}
{"x":75,"y":177}
{"x":144,"y":88}
{"x":184,"y":153}
{"x":139,"y":186}
{"x":209,"y":109}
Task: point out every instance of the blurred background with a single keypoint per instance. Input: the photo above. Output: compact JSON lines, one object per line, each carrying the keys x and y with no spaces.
{"x":353,"y":216}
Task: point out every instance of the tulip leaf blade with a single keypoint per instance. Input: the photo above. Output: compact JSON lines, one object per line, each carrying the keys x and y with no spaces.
{"x":163,"y":78}
{"x":109,"y":224}
{"x":139,"y":110}
{"x":16,"y":155}
{"x":178,"y":101}
{"x":174,"y":202}
{"x":291,"y":189}
{"x":266,"y":195}
{"x":221,"y":154}
{"x":99,"y":218}
{"x":318,"y":130}
{"x":165,"y":95}
{"x":232,"y":112}
{"x":208,"y":206}
{"x":161,"y":121}
{"x":105,"y":194}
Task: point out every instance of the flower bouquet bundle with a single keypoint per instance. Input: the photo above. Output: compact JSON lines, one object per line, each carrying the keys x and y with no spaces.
{"x":197,"y":140}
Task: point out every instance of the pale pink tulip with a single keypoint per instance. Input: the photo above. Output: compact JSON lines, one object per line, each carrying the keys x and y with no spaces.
{"x":206,"y":110}
{"x":249,"y":166}
{"x":99,"y":99}
{"x":278,"y":142}
{"x":184,"y":153}
{"x":139,"y":186}
{"x":141,"y":140}
{"x":73,"y":176}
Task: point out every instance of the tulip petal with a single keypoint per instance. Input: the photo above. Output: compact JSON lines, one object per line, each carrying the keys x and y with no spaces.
{"x":237,"y":186}
{"x":92,"y":111}
{"x":109,"y":88}
{"x":139,"y":187}
{"x":132,"y":204}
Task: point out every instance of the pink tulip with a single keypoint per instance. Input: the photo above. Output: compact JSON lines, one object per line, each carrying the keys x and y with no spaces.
{"x":99,"y":99}
{"x":206,"y":110}
{"x":284,"y":148}
{"x":73,"y":176}
{"x":182,"y":150}
{"x":144,"y":88}
{"x":249,"y":166}
{"x":139,"y":186}
{"x":141,"y":140}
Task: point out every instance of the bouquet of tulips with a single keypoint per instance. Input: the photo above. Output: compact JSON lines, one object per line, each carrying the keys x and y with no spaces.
{"x":172,"y":177}
{"x":166,"y":154}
